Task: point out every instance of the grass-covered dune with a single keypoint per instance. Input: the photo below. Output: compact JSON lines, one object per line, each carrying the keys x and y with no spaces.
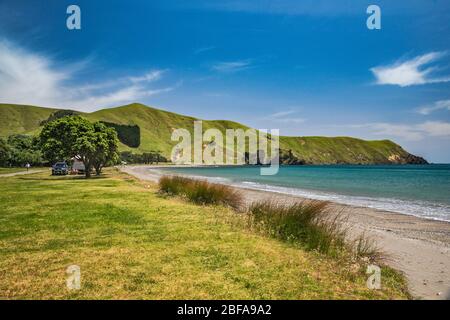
{"x":133,"y":243}
{"x":156,"y":127}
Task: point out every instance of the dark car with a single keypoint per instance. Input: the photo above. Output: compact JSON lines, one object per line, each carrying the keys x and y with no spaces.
{"x":60,"y":168}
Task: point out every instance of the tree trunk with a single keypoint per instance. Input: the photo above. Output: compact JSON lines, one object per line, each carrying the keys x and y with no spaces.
{"x":98,"y":169}
{"x":87,"y":168}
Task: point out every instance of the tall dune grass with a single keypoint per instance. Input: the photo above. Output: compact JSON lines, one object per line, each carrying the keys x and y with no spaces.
{"x":310,"y":224}
{"x":200,"y":191}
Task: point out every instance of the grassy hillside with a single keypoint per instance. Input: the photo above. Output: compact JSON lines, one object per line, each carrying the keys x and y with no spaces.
{"x":21,"y":119}
{"x":343,"y":150}
{"x":156,"y":127}
{"x":132,"y":243}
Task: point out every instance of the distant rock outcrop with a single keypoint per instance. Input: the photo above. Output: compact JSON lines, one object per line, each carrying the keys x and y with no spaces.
{"x":412,"y":159}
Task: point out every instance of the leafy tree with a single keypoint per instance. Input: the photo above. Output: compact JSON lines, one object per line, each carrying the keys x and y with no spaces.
{"x":20,"y":141}
{"x":5,"y":153}
{"x":107,"y":144}
{"x":23,"y":149}
{"x":75,"y":137}
{"x":126,"y":156}
{"x":146,"y":157}
{"x":57,"y":138}
{"x":58,"y":115}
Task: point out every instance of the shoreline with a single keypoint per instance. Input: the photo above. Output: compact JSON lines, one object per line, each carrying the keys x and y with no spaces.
{"x":418,"y":247}
{"x":414,"y":207}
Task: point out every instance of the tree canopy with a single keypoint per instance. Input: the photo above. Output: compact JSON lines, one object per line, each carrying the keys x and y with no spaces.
{"x":18,"y":150}
{"x":75,"y":137}
{"x":5,"y":152}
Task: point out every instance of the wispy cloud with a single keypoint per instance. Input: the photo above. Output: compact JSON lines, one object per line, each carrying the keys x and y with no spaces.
{"x":153,"y":75}
{"x":287,"y":116}
{"x":31,"y":78}
{"x":408,"y":132}
{"x":436,"y":128}
{"x":410,"y":72}
{"x":398,"y":130}
{"x":438,"y":105}
{"x":204,"y":49}
{"x":231,"y":66}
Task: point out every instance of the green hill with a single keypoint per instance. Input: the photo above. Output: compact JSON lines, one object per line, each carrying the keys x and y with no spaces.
{"x":21,"y":119}
{"x":155,"y":127}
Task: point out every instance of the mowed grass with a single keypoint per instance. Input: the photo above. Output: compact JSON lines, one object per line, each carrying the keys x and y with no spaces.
{"x":132,"y":243}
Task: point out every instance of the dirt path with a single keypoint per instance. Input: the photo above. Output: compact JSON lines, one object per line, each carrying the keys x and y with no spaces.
{"x":12,"y":174}
{"x":418,"y":247}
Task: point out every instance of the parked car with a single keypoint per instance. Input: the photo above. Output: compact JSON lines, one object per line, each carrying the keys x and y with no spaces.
{"x":60,"y":168}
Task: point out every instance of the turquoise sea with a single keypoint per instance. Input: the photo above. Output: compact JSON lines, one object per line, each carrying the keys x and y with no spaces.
{"x":420,"y":190}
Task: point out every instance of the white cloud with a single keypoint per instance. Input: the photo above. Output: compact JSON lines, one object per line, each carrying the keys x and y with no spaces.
{"x":30,"y":78}
{"x":438,"y":105}
{"x":231,"y":66}
{"x":24,"y":76}
{"x":148,"y":77}
{"x":285,"y":117}
{"x":204,"y":49}
{"x":282,"y":114}
{"x":125,"y":95}
{"x":404,"y":131}
{"x":409,"y":72}
{"x":408,"y":132}
{"x":291,"y":120}
{"x":436,"y":128}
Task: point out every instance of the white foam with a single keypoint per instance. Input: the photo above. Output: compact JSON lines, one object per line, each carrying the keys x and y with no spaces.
{"x":423,"y":209}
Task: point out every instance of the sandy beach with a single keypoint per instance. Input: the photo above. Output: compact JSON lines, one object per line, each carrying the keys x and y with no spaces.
{"x":418,"y":247}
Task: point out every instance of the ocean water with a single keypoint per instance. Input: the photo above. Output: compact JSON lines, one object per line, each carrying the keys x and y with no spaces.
{"x":420,"y":190}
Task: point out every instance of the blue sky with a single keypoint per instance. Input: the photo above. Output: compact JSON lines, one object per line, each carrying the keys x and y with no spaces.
{"x":305,"y":67}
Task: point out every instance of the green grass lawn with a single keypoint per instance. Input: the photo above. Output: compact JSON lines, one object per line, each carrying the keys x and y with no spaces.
{"x":132,"y":243}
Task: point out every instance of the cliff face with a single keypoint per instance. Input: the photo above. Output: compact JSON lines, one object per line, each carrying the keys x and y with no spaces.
{"x":412,"y":159}
{"x":344,"y":150}
{"x":288,"y":157}
{"x":154,"y":128}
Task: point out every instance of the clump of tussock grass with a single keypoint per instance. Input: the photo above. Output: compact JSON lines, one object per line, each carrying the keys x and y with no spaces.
{"x":200,"y":191}
{"x":310,"y":224}
{"x":365,"y":248}
{"x":173,"y":185}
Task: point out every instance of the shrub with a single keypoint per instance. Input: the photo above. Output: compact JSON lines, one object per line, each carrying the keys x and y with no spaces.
{"x":201,"y":192}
